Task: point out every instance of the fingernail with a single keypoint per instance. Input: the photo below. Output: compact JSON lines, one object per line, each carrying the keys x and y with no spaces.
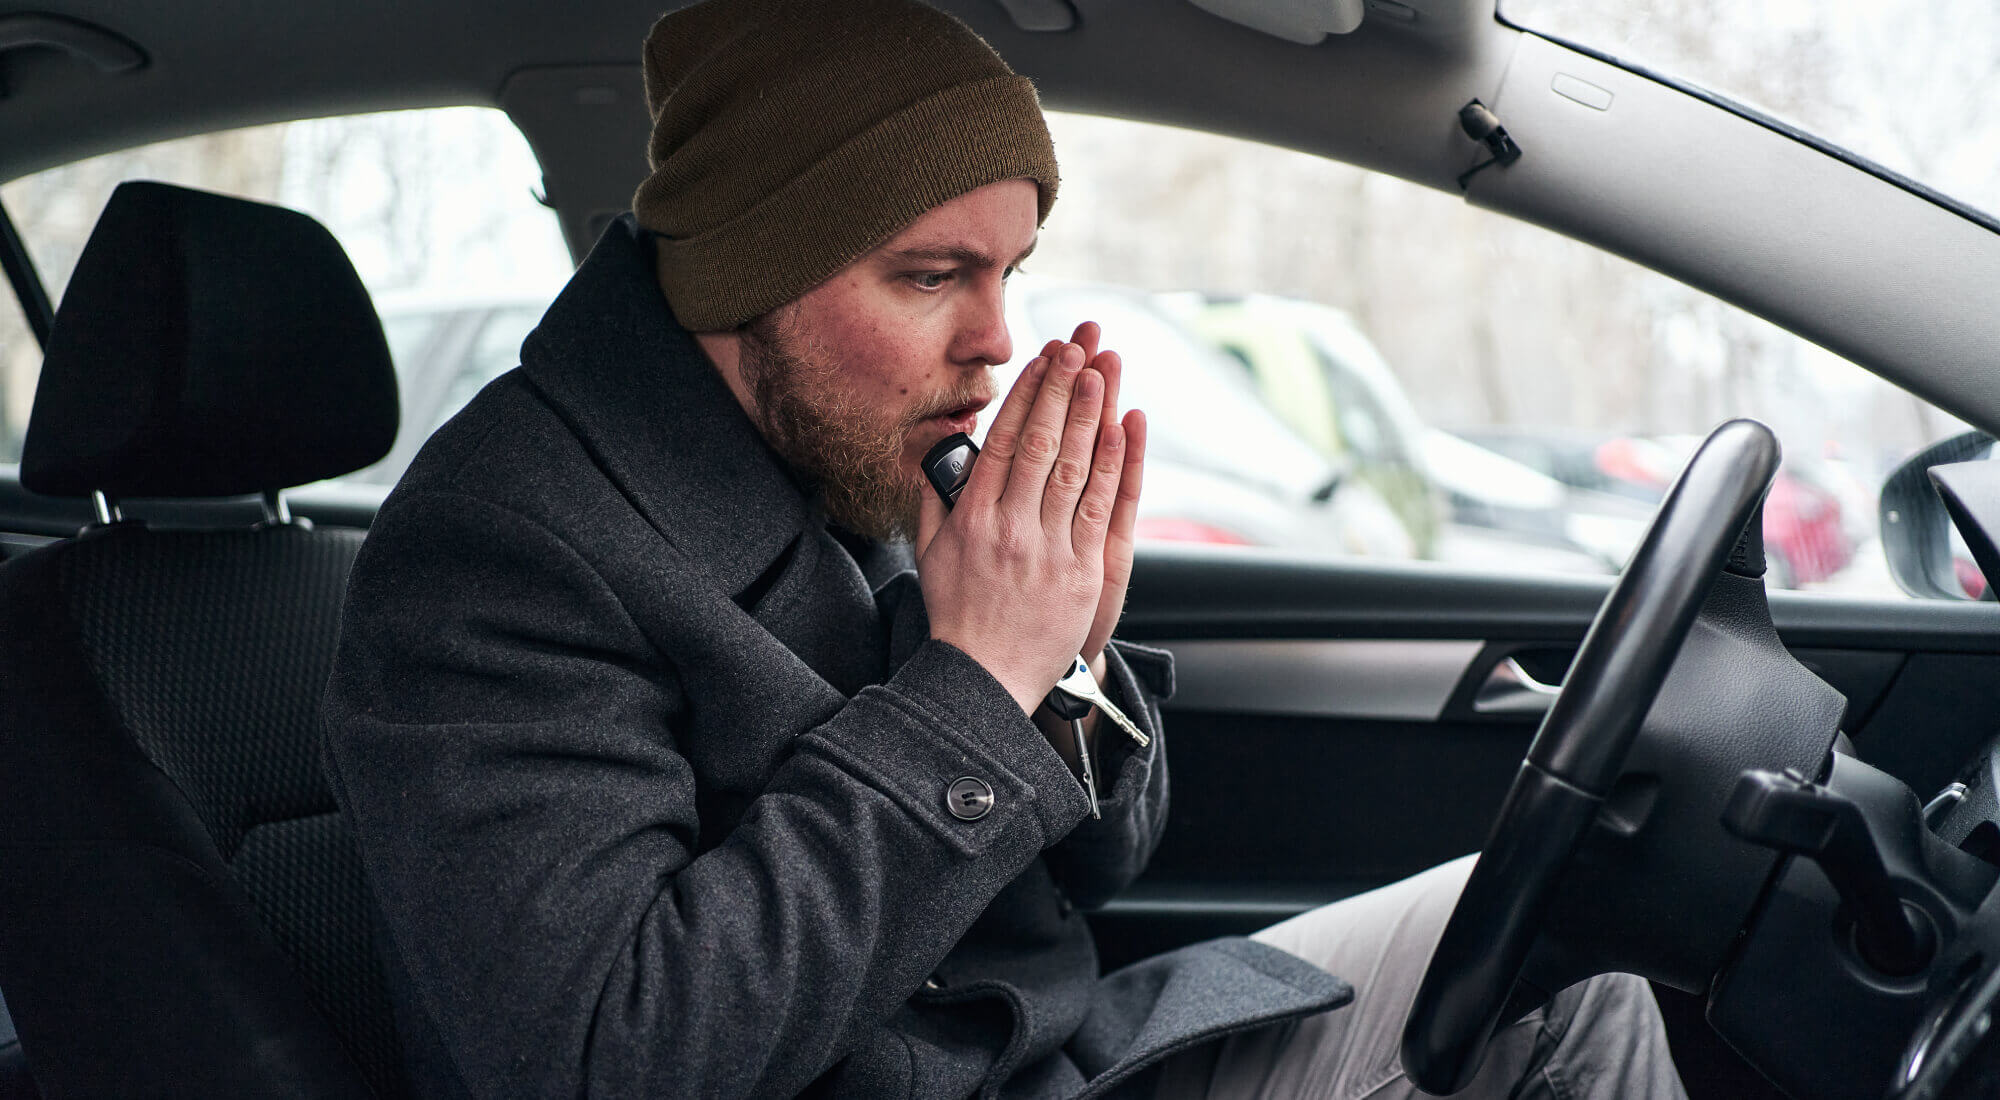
{"x":1072,"y":357}
{"x":1089,"y":384}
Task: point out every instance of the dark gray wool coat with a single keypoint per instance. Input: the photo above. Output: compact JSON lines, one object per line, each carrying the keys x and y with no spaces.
{"x":648,"y":769}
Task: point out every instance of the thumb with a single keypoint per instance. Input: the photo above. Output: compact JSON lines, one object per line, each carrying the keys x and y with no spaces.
{"x":930,"y":518}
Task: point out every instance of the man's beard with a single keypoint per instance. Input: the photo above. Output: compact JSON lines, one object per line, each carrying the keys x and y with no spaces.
{"x":835,"y":442}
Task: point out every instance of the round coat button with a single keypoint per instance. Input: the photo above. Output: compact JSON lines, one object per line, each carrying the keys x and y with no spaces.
{"x":969,"y":799}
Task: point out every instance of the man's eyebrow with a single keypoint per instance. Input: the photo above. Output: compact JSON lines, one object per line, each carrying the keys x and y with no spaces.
{"x":957,"y":254}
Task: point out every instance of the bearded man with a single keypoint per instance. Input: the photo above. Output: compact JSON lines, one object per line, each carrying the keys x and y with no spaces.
{"x":690,"y":742}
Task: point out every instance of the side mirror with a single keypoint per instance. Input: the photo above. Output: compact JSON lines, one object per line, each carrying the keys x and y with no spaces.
{"x":1917,"y":535}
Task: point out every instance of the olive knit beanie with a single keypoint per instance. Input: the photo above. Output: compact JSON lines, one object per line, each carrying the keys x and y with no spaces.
{"x":792,"y":136}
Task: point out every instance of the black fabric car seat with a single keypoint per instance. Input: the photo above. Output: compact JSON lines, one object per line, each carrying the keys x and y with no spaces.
{"x":182,"y":908}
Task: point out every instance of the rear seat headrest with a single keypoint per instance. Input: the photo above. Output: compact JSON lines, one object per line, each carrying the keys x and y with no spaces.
{"x":208,"y":346}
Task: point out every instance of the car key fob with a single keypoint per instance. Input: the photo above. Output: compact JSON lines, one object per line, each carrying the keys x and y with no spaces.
{"x":948,"y":465}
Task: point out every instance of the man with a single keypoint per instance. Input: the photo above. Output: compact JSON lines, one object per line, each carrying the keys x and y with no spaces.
{"x":671,"y":778}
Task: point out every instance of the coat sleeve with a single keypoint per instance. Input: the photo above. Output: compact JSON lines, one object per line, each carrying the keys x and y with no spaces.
{"x":500,"y":734}
{"x":1100,"y":857}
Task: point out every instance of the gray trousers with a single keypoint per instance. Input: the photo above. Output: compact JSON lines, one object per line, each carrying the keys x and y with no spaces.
{"x":1602,"y":1038}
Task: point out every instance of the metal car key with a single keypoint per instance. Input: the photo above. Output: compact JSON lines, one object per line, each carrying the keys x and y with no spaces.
{"x":1081,"y":686}
{"x":1088,"y":766}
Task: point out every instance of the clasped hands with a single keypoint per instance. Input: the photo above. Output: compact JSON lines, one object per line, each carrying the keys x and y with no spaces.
{"x":1030,"y":567}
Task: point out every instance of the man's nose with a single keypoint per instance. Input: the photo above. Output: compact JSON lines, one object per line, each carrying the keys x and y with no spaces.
{"x":983,"y":339}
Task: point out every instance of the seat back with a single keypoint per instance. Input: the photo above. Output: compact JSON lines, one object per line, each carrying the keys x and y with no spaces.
{"x":182,"y":909}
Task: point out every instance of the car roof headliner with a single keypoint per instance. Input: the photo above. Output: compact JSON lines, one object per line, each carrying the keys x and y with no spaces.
{"x":215,"y":65}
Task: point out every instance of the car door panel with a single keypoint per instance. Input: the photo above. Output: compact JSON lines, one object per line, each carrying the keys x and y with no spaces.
{"x":1326,"y":735}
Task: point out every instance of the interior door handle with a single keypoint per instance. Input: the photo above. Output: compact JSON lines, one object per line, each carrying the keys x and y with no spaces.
{"x":1509,"y":689}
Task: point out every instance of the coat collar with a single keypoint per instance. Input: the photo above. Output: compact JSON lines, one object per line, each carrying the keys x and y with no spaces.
{"x":658,"y":419}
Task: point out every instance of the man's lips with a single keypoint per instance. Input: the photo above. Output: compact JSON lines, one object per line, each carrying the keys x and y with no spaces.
{"x":964,"y":417}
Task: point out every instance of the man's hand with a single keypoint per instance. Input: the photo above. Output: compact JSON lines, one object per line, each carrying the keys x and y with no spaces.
{"x":1016,"y":575}
{"x":1118,"y":540}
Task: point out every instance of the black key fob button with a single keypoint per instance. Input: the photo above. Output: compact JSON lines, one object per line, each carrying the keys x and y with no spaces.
{"x":949,"y":464}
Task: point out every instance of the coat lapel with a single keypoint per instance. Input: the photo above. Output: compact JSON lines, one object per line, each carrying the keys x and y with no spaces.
{"x":820,"y":608}
{"x":658,"y":420}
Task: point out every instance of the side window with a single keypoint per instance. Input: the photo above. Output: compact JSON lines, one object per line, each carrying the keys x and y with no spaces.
{"x":425,"y":202}
{"x":1192,"y":390}
{"x":494,"y":352}
{"x":20,"y":359}
{"x":1474,"y":391}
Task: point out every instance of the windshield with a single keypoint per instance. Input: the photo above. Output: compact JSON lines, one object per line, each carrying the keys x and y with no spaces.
{"x":1904,"y":84}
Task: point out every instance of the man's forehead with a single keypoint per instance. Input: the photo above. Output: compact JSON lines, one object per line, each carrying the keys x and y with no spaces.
{"x":996,"y":222}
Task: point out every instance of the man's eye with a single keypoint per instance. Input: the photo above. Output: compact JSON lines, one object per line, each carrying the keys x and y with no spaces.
{"x":931,"y":280}
{"x":1009,"y":273}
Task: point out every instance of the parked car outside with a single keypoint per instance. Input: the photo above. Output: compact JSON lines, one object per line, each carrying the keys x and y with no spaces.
{"x":1317,"y":371}
{"x":1265,"y":486}
{"x":1806,"y":537}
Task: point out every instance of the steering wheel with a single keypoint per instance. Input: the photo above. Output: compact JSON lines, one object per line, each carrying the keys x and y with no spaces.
{"x":1579,"y":751}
